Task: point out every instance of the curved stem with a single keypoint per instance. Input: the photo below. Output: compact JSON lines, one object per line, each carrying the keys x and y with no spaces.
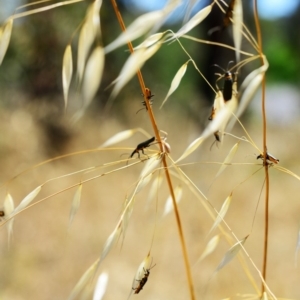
{"x":266,"y":166}
{"x":168,"y":177}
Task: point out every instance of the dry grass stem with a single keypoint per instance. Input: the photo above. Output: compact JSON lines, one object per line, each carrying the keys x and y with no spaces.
{"x":132,"y":181}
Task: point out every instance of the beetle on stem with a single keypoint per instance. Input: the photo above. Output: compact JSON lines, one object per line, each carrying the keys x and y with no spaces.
{"x":226,"y":20}
{"x":228,"y":82}
{"x":270,"y":159}
{"x":149,"y":96}
{"x":143,"y":281}
{"x":142,"y":146}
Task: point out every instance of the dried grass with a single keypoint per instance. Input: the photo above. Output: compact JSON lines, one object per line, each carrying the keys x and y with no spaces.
{"x":108,"y":192}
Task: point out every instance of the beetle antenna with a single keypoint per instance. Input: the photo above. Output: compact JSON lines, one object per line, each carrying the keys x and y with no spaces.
{"x":215,"y":65}
{"x":140,"y":110}
{"x":229,"y":63}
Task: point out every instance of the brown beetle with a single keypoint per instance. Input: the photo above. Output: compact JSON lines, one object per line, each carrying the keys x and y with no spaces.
{"x":142,"y":146}
{"x":270,"y":158}
{"x":149,"y":96}
{"x":143,"y":281}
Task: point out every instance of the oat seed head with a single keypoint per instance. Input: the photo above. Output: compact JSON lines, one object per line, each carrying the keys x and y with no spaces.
{"x":176,"y":81}
{"x":5,"y":35}
{"x":67,"y":72}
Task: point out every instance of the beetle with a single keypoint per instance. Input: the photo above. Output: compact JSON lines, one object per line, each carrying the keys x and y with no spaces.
{"x":217,"y":136}
{"x":228,"y":82}
{"x":149,"y":96}
{"x":143,"y":281}
{"x":226,"y":20}
{"x":269,"y":158}
{"x":212,"y":115}
{"x":142,"y":146}
{"x":228,"y":14}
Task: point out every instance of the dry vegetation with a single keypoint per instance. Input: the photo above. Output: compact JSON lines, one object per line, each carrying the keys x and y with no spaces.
{"x":53,"y":243}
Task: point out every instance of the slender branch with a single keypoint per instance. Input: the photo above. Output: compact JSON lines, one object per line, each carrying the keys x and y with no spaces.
{"x":168,"y":177}
{"x":263,"y":89}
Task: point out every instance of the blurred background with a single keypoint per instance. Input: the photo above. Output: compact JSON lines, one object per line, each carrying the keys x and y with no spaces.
{"x":46,"y":257}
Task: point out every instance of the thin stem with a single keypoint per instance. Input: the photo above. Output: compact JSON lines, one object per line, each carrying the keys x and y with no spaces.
{"x":168,"y":177}
{"x":263,"y":89}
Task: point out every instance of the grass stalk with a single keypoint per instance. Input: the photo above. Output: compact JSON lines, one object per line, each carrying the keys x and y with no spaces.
{"x":168,"y":177}
{"x":266,"y":165}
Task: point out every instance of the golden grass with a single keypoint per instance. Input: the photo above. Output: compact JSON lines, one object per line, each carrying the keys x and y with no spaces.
{"x":46,"y":258}
{"x":70,"y":212}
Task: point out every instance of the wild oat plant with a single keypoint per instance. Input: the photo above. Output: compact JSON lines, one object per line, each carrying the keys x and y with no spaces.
{"x":160,"y":222}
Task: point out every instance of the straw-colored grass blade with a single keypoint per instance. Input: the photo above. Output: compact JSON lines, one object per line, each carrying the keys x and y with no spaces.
{"x":135,"y":61}
{"x":176,"y":81}
{"x":8,"y":209}
{"x":75,"y":204}
{"x":137,"y":28}
{"x":284,"y":170}
{"x":83,"y":281}
{"x":250,"y":86}
{"x":44,"y":8}
{"x":191,"y":148}
{"x":93,"y":75}
{"x":249,"y":93}
{"x":129,"y":203}
{"x":219,"y":122}
{"x":230,"y":107}
{"x":26,"y":201}
{"x":143,"y":182}
{"x":222,"y":213}
{"x":87,"y":36}
{"x":194,"y":21}
{"x":231,"y":253}
{"x":67,"y":72}
{"x":228,"y":159}
{"x":127,"y":212}
{"x":101,"y":285}
{"x":218,"y":102}
{"x":119,"y":137}
{"x":210,"y":247}
{"x":5,"y":34}
{"x":111,"y":241}
{"x":93,"y":19}
{"x":154,"y":188}
{"x":190,"y":5}
{"x":8,"y":205}
{"x":151,"y":40}
{"x":237,"y":27}
{"x":95,"y":12}
{"x":169,"y":203}
{"x":221,"y":119}
{"x":84,"y":43}
{"x":151,"y":165}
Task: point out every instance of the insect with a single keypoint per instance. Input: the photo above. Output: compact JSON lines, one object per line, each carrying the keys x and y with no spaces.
{"x":228,"y":15}
{"x":149,"y":96}
{"x":210,"y":118}
{"x":217,"y":136}
{"x":228,"y":81}
{"x":269,"y":158}
{"x":226,"y":20}
{"x":212,"y":115}
{"x":142,"y":146}
{"x":143,"y":281}
{"x":2,"y":213}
